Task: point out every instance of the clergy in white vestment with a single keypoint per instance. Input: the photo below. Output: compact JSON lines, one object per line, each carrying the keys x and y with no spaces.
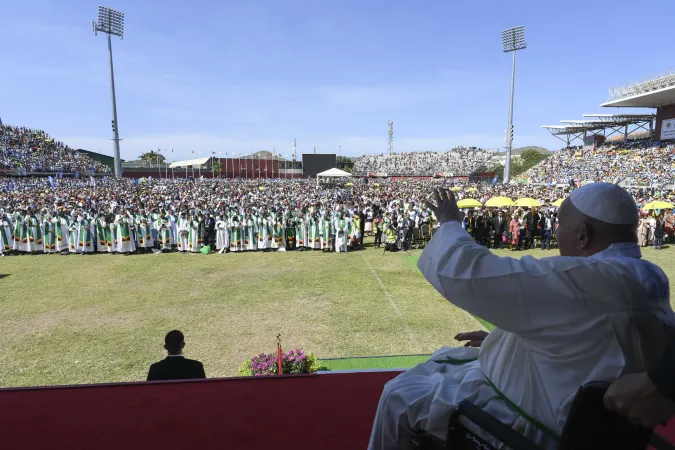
{"x":49,"y":234}
{"x":72,"y":234}
{"x":17,"y":231}
{"x":264,"y":231}
{"x":327,"y":230}
{"x":173,"y":219}
{"x":236,"y":240}
{"x":195,"y":233}
{"x":314,"y":231}
{"x":183,"y":229}
{"x":85,"y":238}
{"x":278,"y":243}
{"x":341,"y":233}
{"x":143,"y":222}
{"x":61,"y":229}
{"x":163,"y":227}
{"x":594,"y":313}
{"x":6,"y":243}
{"x":222,"y":234}
{"x":123,"y":240}
{"x":33,"y":239}
{"x":249,"y":233}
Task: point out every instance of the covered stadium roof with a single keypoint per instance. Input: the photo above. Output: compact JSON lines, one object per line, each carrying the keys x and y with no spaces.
{"x":189,"y":162}
{"x":649,"y":93}
{"x":595,"y":123}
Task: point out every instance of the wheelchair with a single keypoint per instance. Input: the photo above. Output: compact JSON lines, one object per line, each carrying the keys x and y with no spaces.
{"x":421,"y":235}
{"x":590,"y":426}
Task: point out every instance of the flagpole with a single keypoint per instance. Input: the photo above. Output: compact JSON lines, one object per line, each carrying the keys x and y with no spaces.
{"x":186,"y":164}
{"x":267,"y":170}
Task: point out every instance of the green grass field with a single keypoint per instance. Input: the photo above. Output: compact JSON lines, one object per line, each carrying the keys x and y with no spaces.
{"x":102,"y":318}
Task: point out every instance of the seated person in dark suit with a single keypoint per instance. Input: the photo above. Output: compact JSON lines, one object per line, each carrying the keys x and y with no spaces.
{"x":175,"y":366}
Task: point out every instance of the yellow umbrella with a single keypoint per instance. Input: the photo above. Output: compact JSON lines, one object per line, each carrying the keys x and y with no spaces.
{"x":261,"y":188}
{"x":529,"y":202}
{"x":376,"y":184}
{"x":658,"y":205}
{"x":350,"y":184}
{"x":405,"y":182}
{"x":499,"y":202}
{"x":471,"y":190}
{"x":558,"y":202}
{"x":469,"y":203}
{"x":455,"y":189}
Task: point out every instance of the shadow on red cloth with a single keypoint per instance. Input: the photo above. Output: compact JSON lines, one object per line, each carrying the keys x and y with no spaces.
{"x":333,"y":411}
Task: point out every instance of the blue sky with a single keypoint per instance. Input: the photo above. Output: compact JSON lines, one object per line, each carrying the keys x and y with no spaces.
{"x":249,"y":75}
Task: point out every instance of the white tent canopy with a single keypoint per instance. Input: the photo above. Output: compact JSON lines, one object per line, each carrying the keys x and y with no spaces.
{"x":334,"y":173}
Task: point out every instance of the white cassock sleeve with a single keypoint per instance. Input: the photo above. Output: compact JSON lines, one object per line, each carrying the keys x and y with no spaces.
{"x":525,"y":295}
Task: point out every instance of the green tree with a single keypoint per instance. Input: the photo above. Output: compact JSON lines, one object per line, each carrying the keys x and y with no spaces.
{"x":152,"y":157}
{"x":499,"y":171}
{"x":478,"y":170}
{"x":344,"y":163}
{"x":531,"y":158}
{"x":216,"y":166}
{"x":344,"y":160}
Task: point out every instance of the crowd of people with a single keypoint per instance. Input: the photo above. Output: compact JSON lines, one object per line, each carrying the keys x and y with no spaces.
{"x":458,"y":161}
{"x":126,"y":216}
{"x":637,"y":163}
{"x":31,"y":150}
{"x":229,"y":215}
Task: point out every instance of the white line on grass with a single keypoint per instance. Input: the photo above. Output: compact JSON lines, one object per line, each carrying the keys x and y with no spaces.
{"x":392,"y":303}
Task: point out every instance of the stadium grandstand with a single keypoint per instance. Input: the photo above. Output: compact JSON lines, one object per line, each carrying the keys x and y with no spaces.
{"x":459,"y":161}
{"x":636,"y":162}
{"x":26,"y":151}
{"x":629,"y":149}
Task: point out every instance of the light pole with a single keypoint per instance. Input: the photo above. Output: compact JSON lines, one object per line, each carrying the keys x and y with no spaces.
{"x":111,"y":22}
{"x":513,"y":40}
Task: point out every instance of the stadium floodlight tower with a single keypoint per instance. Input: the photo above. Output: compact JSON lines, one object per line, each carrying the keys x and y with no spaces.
{"x":513,"y":40}
{"x":111,"y":22}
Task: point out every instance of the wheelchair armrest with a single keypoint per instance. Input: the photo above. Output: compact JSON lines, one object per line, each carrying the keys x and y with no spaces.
{"x":503,"y":433}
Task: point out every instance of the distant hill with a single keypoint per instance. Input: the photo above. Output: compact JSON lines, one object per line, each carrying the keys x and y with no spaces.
{"x":520,"y":150}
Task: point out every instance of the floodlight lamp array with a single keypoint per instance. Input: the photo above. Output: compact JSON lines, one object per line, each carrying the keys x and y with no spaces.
{"x":110,"y":21}
{"x":513,"y":39}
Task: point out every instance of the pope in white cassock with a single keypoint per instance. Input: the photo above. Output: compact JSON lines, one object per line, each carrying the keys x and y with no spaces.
{"x":594,"y":313}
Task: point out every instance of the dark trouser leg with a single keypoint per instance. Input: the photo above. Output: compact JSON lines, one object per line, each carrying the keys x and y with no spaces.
{"x":546,"y":241}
